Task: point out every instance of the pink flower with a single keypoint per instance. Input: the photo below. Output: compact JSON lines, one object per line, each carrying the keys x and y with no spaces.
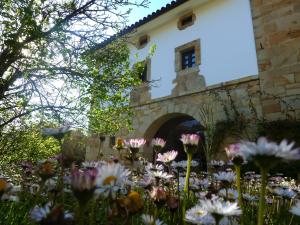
{"x":83,"y":183}
{"x":83,"y":179}
{"x":167,"y":157}
{"x":190,"y":139}
{"x":158,"y":195}
{"x":135,"y":143}
{"x":233,"y":151}
{"x":158,"y":142}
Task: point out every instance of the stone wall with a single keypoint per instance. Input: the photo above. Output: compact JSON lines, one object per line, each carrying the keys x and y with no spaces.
{"x":151,"y":115}
{"x":277,"y":36}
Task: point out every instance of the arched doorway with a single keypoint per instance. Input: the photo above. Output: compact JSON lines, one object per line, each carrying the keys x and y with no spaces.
{"x":170,"y":128}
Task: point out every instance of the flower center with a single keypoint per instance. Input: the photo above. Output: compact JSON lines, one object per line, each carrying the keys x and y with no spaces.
{"x":2,"y":185}
{"x":200,"y":213}
{"x":109,"y":180}
{"x":47,"y":168}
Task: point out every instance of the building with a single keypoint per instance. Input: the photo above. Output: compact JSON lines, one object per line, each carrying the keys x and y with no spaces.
{"x":214,"y":55}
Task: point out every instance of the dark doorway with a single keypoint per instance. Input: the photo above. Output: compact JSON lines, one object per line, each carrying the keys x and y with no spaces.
{"x":172,"y":130}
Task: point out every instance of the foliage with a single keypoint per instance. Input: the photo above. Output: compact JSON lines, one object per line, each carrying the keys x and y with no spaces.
{"x":110,"y":103}
{"x":25,"y":143}
{"x":49,"y":67}
{"x":208,"y":121}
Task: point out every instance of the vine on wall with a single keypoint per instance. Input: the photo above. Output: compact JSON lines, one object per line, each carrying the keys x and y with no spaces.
{"x":239,"y":126}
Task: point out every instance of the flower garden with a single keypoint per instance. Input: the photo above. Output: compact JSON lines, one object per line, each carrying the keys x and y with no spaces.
{"x":166,"y":191}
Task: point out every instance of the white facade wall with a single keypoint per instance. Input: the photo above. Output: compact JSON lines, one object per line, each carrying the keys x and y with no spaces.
{"x":225,"y":30}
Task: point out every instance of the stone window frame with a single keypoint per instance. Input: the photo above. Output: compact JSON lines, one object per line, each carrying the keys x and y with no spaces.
{"x":112,"y":141}
{"x":182,"y":26}
{"x":178,"y":57}
{"x":139,"y":44}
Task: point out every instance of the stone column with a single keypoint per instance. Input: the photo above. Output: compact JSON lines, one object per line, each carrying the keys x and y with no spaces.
{"x":277,"y":36}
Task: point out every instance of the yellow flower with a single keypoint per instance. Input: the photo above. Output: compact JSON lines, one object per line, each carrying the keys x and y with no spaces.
{"x":3,"y":185}
{"x":136,"y":201}
{"x":133,"y":202}
{"x":119,"y":143}
{"x":46,"y":170}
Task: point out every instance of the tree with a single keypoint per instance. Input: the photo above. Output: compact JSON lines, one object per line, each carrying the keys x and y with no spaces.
{"x":47,"y":68}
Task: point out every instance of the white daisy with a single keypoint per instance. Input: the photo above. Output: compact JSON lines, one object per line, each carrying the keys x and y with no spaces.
{"x":249,"y":197}
{"x":37,"y":214}
{"x":151,"y":167}
{"x":12,"y":198}
{"x":296,"y":209}
{"x":233,"y":151}
{"x":146,"y":181}
{"x":263,"y":152}
{"x":159,"y":174}
{"x":183,"y":164}
{"x":112,"y":177}
{"x":230,"y":193}
{"x":158,"y":142}
{"x":225,"y":176}
{"x":149,"y":220}
{"x":16,"y":189}
{"x":51,"y":184}
{"x":190,"y":139}
{"x":167,"y":157}
{"x":197,"y":215}
{"x":220,"y":208}
{"x":216,"y":163}
{"x":93,"y":164}
{"x":205,"y":183}
{"x":135,"y":143}
{"x":285,"y":192}
{"x":193,"y":183}
{"x":41,"y":214}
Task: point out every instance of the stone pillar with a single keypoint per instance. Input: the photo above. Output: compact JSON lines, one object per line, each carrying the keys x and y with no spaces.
{"x":140,"y":94}
{"x":277,"y":36}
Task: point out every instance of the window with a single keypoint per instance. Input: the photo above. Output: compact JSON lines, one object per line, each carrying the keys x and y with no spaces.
{"x":112,"y":141}
{"x":188,"y":59}
{"x":143,"y":75}
{"x":143,"y":70}
{"x":143,"y":41}
{"x":186,"y":21}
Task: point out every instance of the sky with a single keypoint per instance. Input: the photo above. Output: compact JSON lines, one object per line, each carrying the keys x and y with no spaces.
{"x":138,"y":13}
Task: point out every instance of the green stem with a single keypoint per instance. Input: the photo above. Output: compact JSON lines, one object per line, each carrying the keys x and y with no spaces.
{"x":238,"y":186}
{"x":155,"y":157}
{"x":261,"y":212}
{"x":183,"y":211}
{"x":92,"y":212}
{"x":239,"y":189}
{"x":291,"y":220}
{"x":80,"y":214}
{"x":188,"y":171}
{"x":39,"y":192}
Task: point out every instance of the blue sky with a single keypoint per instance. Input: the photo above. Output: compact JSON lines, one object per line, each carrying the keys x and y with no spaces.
{"x":138,"y":13}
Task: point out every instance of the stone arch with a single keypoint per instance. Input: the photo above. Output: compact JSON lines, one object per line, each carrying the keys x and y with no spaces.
{"x":168,"y":110}
{"x":164,"y":122}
